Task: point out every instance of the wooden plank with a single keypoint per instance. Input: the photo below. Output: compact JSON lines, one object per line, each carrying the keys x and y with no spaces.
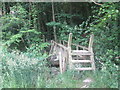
{"x":78,"y":45}
{"x":81,"y":52}
{"x":60,"y":45}
{"x":83,"y":47}
{"x":81,"y":61}
{"x":79,"y":57}
{"x":82,"y":69}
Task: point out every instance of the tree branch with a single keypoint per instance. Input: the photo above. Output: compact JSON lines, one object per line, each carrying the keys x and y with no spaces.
{"x":96,"y":2}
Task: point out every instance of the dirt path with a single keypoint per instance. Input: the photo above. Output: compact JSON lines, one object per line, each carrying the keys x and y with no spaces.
{"x":87,"y":82}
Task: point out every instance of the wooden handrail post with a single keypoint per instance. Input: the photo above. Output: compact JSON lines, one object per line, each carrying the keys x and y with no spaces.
{"x":60,"y":62}
{"x":69,"y":50}
{"x":70,"y":40}
{"x":91,"y":50}
{"x":91,"y":42}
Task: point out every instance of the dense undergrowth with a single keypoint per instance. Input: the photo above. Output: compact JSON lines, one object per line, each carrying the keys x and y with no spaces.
{"x":19,"y":70}
{"x":25,"y":50}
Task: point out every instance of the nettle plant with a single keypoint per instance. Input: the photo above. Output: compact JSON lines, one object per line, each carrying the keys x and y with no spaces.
{"x":16,"y":27}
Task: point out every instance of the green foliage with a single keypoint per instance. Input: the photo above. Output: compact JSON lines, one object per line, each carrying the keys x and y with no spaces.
{"x":15,"y":27}
{"x":65,"y":80}
{"x":104,"y":25}
{"x":37,"y":50}
{"x":52,"y":24}
{"x":20,"y":71}
{"x":104,"y":79}
{"x":106,"y":30}
{"x":25,"y":25}
{"x":24,"y":70}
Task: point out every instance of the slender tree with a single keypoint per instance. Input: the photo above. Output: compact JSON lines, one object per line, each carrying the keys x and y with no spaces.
{"x":53,"y":15}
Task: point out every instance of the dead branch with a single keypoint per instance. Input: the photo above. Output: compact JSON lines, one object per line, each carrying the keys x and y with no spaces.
{"x":96,"y":2}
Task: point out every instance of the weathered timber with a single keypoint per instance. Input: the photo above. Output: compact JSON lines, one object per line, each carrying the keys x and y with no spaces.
{"x":81,"y":61}
{"x":73,"y":58}
{"x":81,"y":69}
{"x":81,"y":52}
{"x":78,"y":46}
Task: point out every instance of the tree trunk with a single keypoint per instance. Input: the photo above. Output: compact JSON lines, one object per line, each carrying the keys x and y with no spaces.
{"x":54,"y":28}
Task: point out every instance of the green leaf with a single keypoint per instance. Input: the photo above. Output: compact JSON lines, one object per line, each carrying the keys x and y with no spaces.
{"x":31,"y":31}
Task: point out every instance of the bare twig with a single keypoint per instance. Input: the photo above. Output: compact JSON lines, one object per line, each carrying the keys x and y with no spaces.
{"x":96,"y":2}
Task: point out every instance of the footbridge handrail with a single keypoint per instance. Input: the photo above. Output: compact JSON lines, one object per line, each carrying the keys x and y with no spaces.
{"x":73,"y":54}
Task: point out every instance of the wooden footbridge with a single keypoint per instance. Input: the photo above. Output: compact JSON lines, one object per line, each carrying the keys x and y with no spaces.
{"x":73,"y":56}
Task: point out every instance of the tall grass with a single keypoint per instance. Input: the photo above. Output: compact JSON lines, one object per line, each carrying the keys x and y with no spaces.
{"x":101,"y":79}
{"x":19,"y":70}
